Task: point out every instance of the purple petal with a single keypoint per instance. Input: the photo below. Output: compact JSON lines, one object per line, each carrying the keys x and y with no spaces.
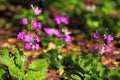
{"x":24,"y":21}
{"x":49,"y":31}
{"x":37,"y":11}
{"x":34,"y":23}
{"x":37,"y":39}
{"x":57,"y":33}
{"x":28,"y":46}
{"x":39,"y":25}
{"x":21,"y":35}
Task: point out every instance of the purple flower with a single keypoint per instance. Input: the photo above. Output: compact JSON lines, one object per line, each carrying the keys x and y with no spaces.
{"x":39,"y":25}
{"x":108,"y":50}
{"x":57,"y":19}
{"x":28,"y":38}
{"x":64,"y":20}
{"x":49,"y":31}
{"x":36,"y":47}
{"x":28,"y":46}
{"x":67,"y":39}
{"x":37,"y":11}
{"x":24,"y":21}
{"x":96,"y":35}
{"x":37,"y":39}
{"x":61,"y":19}
{"x":108,"y":39}
{"x":102,"y":50}
{"x":95,"y":49}
{"x":21,"y":35}
{"x":34,"y":23}
{"x":57,"y":33}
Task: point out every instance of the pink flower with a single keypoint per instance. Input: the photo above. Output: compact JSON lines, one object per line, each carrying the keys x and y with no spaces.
{"x":64,"y":20}
{"x":61,"y":19}
{"x":37,"y":11}
{"x":95,"y":49}
{"x":67,"y":38}
{"x":28,"y":38}
{"x":28,"y":46}
{"x":39,"y":25}
{"x":96,"y":35}
{"x":34,"y":23}
{"x":21,"y":35}
{"x":57,"y":19}
{"x":108,"y":50}
{"x":37,"y":39}
{"x":36,"y":47}
{"x":108,"y":39}
{"x":57,"y":33}
{"x":49,"y":31}
{"x":102,"y":50}
{"x":24,"y":21}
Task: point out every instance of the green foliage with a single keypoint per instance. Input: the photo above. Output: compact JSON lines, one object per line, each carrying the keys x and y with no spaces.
{"x":114,"y":74}
{"x":3,"y":73}
{"x":37,"y":70}
{"x":79,"y":67}
{"x":8,"y":61}
{"x":35,"y":75}
{"x":86,"y":67}
{"x":16,"y":66}
{"x":20,"y":59}
{"x":53,"y":60}
{"x":38,"y":65}
{"x":4,"y":1}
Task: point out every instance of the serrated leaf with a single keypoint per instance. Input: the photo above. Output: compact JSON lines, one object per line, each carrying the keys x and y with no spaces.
{"x":38,"y":65}
{"x":35,"y":75}
{"x":16,"y":72}
{"x":5,"y":58}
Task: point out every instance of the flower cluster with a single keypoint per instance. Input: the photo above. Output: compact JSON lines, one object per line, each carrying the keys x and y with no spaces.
{"x":32,"y":41}
{"x":36,"y":24}
{"x":61,"y":19}
{"x":104,"y":47}
{"x":36,"y":10}
{"x":52,"y":31}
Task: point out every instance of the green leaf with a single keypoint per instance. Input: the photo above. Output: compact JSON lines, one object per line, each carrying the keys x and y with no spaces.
{"x":58,"y":41}
{"x":114,"y":74}
{"x":39,"y":65}
{"x":75,"y":77}
{"x":5,"y":58}
{"x":2,"y":73}
{"x":19,"y":57}
{"x":52,"y":59}
{"x":87,"y":77}
{"x":15,"y":71}
{"x":35,"y":75}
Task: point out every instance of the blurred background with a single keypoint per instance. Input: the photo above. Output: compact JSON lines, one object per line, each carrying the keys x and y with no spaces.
{"x":85,"y":16}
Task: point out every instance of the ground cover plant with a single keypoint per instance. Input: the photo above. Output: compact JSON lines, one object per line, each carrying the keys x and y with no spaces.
{"x":43,"y":40}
